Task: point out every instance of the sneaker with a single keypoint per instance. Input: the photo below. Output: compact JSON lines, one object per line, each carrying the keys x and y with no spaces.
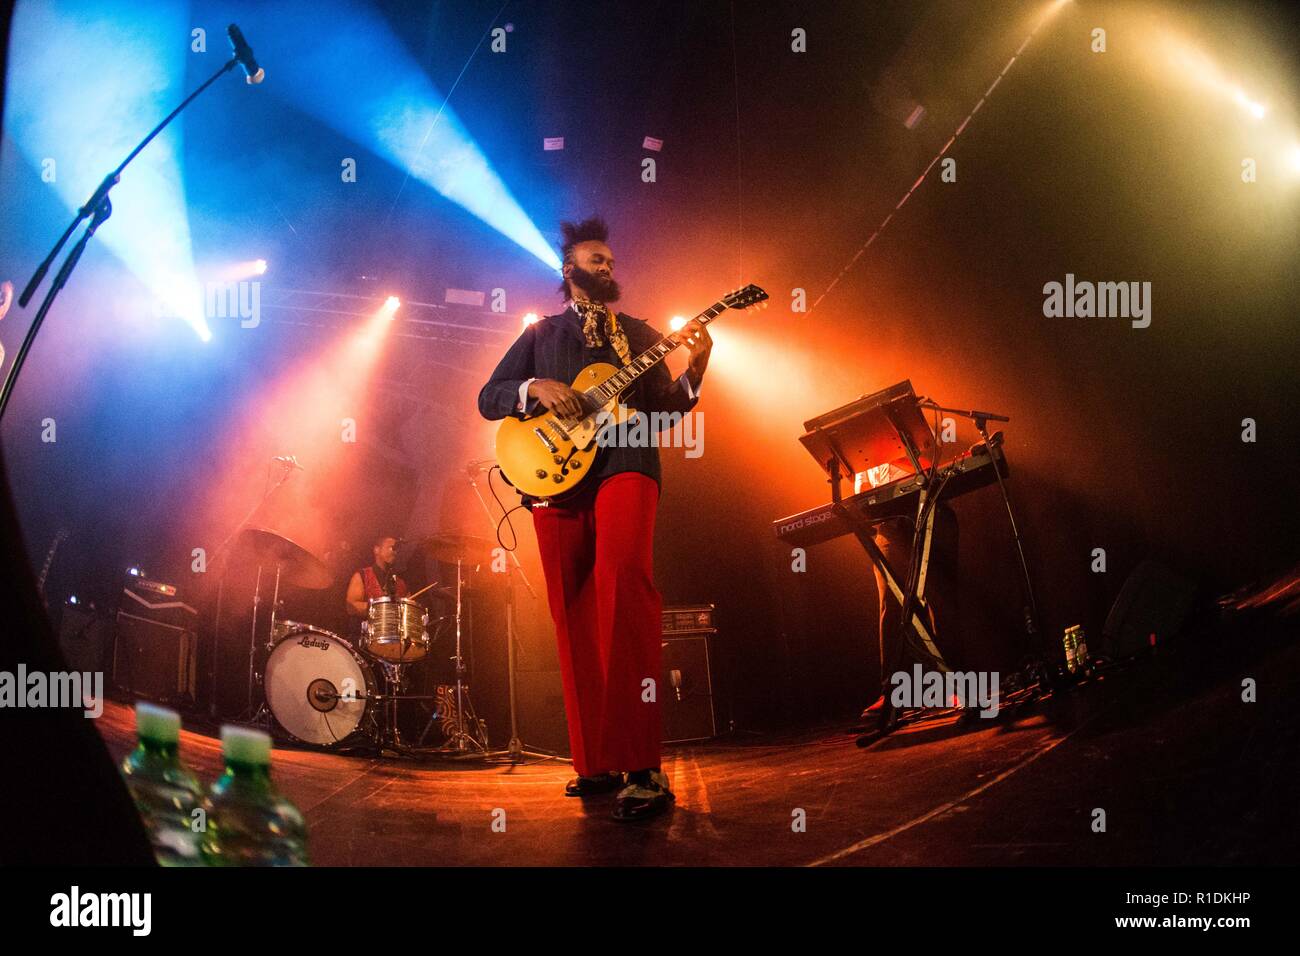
{"x":591,"y":786}
{"x":640,"y":801}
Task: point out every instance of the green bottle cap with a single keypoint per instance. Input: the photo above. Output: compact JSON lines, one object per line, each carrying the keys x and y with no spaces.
{"x":159,"y":724}
{"x":242,"y":745}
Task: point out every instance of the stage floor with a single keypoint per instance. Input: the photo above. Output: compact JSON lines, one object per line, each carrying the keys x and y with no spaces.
{"x":1185,"y":771}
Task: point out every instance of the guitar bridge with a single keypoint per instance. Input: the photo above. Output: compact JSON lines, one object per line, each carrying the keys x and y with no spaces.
{"x":550,"y":445}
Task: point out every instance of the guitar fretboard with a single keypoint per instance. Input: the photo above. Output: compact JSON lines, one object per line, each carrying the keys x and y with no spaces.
{"x":648,"y":359}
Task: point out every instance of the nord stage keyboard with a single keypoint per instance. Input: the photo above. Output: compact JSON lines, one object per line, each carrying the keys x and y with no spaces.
{"x":966,"y":472}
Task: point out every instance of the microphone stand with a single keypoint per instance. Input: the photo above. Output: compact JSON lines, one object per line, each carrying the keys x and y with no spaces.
{"x":97,"y":209}
{"x":516,"y":750}
{"x":1037,"y":666}
{"x":221,"y":585}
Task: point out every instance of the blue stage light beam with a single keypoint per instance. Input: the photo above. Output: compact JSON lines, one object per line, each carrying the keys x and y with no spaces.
{"x":360,"y":81}
{"x":87,"y":81}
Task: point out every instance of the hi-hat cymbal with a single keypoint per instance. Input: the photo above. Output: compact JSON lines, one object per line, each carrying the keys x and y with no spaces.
{"x":450,"y":546}
{"x":298,"y":567}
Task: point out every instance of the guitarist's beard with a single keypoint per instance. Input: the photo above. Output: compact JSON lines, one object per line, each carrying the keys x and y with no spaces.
{"x":597,"y":288}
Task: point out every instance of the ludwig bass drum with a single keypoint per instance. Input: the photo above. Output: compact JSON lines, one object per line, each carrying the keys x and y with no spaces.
{"x":318,"y":688}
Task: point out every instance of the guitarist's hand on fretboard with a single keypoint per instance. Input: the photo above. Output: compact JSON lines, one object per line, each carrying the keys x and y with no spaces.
{"x":699,"y":344}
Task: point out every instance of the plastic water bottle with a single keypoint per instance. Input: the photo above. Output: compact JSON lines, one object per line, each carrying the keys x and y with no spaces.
{"x":164,"y":790}
{"x":249,"y":822}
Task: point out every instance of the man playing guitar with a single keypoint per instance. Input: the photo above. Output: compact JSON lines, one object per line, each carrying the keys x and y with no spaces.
{"x":596,"y":544}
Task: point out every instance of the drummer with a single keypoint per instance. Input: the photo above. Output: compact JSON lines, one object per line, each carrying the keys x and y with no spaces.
{"x":376,"y":581}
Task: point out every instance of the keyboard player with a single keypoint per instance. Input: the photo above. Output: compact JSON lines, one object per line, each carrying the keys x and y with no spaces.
{"x":893,"y":537}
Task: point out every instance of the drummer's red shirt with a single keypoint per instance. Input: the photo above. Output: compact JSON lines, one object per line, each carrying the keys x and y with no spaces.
{"x":375,"y":589}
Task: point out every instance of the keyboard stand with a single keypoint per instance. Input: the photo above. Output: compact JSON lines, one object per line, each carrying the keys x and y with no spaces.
{"x":895,"y":420}
{"x":918,"y":637}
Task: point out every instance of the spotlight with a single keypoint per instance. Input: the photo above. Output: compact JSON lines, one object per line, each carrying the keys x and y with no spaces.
{"x":677,"y":322}
{"x":530,"y":318}
{"x":134,"y":572}
{"x":237,"y":271}
{"x":139,"y":78}
{"x":391,"y":305}
{"x":1256,"y":110}
{"x":393,"y":108}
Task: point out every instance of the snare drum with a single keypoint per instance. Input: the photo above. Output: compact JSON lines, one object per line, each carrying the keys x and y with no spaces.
{"x":395,"y":630}
{"x":318,"y":688}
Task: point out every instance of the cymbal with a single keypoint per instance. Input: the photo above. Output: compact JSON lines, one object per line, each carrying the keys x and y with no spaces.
{"x":448,"y":546}
{"x":298,"y":567}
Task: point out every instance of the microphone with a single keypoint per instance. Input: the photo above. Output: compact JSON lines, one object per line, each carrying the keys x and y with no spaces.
{"x":244,"y":54}
{"x":289,"y":460}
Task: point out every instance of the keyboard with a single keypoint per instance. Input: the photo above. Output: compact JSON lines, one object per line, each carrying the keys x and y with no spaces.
{"x":967,"y":472}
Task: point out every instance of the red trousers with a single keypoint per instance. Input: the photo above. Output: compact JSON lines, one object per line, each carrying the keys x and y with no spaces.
{"x":599,"y":567}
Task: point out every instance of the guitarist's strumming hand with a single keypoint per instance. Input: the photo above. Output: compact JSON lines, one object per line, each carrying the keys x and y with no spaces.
{"x":699,"y":343}
{"x":557,"y":397}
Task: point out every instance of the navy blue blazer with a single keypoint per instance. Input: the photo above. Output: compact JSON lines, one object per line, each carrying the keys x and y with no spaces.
{"x":554,"y":347}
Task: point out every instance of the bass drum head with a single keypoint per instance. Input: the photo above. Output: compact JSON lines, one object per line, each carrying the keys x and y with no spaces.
{"x":306,"y":674}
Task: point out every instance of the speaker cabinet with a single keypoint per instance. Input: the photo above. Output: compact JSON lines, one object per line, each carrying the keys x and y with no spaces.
{"x":153,"y":660}
{"x":687,"y":685}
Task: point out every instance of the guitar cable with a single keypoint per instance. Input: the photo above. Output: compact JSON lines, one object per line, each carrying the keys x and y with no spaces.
{"x":505,"y":514}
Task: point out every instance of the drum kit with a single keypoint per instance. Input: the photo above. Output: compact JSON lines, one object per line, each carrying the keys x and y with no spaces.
{"x":321,"y":689}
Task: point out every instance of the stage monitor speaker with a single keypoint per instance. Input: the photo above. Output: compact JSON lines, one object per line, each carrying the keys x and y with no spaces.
{"x":1151,"y":608}
{"x":686,"y":691}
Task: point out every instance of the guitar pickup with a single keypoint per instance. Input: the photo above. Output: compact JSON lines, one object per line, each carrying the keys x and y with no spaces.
{"x":550,"y":445}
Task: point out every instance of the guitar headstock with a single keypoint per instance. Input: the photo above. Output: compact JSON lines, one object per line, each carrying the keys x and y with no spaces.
{"x":746,"y":298}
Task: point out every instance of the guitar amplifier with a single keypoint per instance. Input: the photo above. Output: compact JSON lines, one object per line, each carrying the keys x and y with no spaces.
{"x":155,"y":654}
{"x":687,"y":686}
{"x":693,"y":619}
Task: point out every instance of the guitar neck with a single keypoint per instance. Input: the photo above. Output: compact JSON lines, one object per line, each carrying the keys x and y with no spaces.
{"x":651,"y":357}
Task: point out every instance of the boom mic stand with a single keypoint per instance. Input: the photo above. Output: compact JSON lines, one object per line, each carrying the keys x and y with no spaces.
{"x":97,"y":209}
{"x":1037,"y":665}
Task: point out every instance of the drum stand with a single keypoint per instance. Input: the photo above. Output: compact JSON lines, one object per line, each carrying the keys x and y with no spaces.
{"x":389,"y":736}
{"x":262,"y":715}
{"x":461,"y":742}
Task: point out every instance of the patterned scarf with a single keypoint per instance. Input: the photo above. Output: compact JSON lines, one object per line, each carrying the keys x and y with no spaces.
{"x":599,"y":321}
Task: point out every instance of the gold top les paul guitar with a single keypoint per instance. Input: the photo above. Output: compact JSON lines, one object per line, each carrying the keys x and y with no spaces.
{"x":547,"y":454}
